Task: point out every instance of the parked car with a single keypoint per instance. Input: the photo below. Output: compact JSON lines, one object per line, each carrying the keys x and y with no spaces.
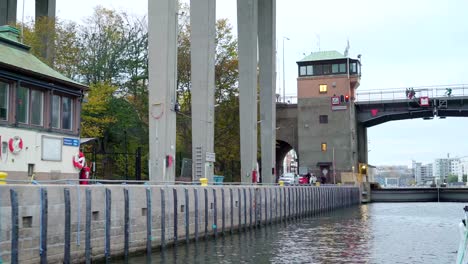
{"x":303,"y":179}
{"x":289,"y":178}
{"x":307,"y":179}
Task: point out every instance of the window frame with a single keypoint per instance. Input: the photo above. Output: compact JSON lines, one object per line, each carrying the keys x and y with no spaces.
{"x":7,"y":101}
{"x":60,"y":116}
{"x":311,"y":67}
{"x":323,"y":119}
{"x":302,"y":67}
{"x":31,"y":110}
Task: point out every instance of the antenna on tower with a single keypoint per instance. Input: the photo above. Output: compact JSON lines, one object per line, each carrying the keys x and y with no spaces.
{"x":347,"y":49}
{"x":318,"y":41}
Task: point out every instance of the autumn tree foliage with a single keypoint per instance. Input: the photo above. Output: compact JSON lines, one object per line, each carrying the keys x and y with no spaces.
{"x":109,"y":53}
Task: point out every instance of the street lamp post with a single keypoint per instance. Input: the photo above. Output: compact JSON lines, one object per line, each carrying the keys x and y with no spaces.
{"x":284,"y":79}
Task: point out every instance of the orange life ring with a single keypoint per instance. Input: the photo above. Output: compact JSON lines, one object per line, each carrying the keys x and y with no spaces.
{"x":15,"y":144}
{"x":79,"y":160}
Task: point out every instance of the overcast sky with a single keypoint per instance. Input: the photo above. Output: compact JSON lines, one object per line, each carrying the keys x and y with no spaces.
{"x":403,"y":44}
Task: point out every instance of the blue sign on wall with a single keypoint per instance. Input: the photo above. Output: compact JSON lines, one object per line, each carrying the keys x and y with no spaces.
{"x":74,"y":142}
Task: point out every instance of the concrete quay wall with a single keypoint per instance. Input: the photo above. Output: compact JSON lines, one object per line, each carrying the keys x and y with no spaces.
{"x":76,"y":224}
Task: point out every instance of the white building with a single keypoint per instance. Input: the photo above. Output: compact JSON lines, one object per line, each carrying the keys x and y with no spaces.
{"x":441,"y":169}
{"x":427,"y":172}
{"x":39,"y":115}
{"x":417,"y":171}
{"x":463,"y":168}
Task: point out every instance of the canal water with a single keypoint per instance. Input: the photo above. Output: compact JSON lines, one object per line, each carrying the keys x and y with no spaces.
{"x":370,"y":233}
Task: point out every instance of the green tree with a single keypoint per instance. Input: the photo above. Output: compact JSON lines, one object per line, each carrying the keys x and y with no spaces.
{"x":464,"y":178}
{"x":452,"y":178}
{"x":96,"y":116}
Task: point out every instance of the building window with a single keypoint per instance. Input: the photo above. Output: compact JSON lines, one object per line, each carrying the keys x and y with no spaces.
{"x":323,"y":119}
{"x":353,"y":68}
{"x":342,"y":68}
{"x":30,"y":106}
{"x":55,"y":123}
{"x":323,"y":88}
{"x":335,"y":68}
{"x":4,"y":101}
{"x":67,"y":113}
{"x":23,"y":105}
{"x":37,"y":107}
{"x":62,"y":112}
{"x":310,"y":70}
{"x":318,"y":69}
{"x":324,"y":147}
{"x":302,"y":70}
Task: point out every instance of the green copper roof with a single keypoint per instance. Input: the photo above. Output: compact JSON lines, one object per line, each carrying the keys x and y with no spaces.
{"x":15,"y":54}
{"x":324,"y":55}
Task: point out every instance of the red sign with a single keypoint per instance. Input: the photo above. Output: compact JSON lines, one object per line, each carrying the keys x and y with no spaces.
{"x":424,"y":101}
{"x":374,"y":112}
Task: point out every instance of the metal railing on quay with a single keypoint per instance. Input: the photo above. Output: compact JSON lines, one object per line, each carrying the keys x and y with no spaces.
{"x":152,"y":183}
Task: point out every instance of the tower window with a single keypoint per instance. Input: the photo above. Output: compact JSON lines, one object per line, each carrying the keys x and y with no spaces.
{"x":323,"y":119}
{"x":310,"y":70}
{"x":326,"y":69}
{"x":324,"y":147}
{"x":342,"y":68}
{"x":302,"y":70}
{"x":323,"y":88}
{"x":335,"y":68}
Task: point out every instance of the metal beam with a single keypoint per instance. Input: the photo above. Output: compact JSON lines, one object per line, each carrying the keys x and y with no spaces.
{"x":162,"y":38}
{"x":267,"y":76}
{"x":203,"y":49}
{"x":247,"y":38}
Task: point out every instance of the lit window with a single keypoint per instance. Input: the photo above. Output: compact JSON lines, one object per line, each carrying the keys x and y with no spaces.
{"x":324,"y":147}
{"x":302,"y":70}
{"x":37,"y":107}
{"x":23,"y":105}
{"x":335,"y":68}
{"x":310,"y":70}
{"x":323,"y":88}
{"x":3,"y":101}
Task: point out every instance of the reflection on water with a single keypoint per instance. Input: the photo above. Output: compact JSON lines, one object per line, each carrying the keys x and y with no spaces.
{"x":374,"y":233}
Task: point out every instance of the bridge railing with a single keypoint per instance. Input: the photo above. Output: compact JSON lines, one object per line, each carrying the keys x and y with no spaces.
{"x":439,"y":91}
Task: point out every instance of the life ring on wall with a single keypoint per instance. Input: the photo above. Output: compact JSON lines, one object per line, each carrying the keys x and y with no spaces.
{"x":15,"y":144}
{"x":79,"y":160}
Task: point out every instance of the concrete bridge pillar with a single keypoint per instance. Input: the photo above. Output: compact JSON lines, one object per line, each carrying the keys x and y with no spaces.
{"x":162,"y":48}
{"x":267,"y":76}
{"x":247,"y":39}
{"x":45,"y":9}
{"x":8,"y":12}
{"x":203,"y":34}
